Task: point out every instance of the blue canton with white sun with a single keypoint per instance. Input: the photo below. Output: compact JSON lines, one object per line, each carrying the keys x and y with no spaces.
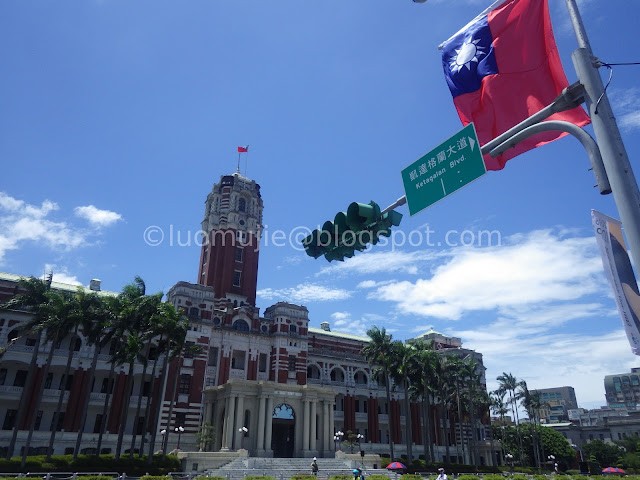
{"x":468,"y":57}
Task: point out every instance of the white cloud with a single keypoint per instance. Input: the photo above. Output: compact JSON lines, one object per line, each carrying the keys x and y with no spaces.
{"x":21,"y":222}
{"x":304,"y":293}
{"x":96,"y":216}
{"x":344,"y":322}
{"x":626,"y":107}
{"x":528,"y":269}
{"x":381,"y":262}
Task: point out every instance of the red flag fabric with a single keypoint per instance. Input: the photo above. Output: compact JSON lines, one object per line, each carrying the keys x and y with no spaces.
{"x":502,"y":68}
{"x":243,"y":149}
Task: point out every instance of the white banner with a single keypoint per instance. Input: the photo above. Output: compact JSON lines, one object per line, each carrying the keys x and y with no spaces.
{"x":617,"y":266}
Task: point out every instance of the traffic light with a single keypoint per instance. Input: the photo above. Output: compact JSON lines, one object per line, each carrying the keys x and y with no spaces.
{"x":351,"y":231}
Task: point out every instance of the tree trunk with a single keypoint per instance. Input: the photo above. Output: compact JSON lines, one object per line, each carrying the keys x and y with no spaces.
{"x":105,"y":408}
{"x":445,"y":427}
{"x":32,"y":424}
{"x":171,"y":404}
{"x":139,"y":405}
{"x":158,"y":410}
{"x":124,"y":413}
{"x":56,"y":415}
{"x":472,"y":440}
{"x":87,"y":399}
{"x":24,"y":398}
{"x":389,"y":416}
{"x":407,"y":421}
{"x":147,"y":410}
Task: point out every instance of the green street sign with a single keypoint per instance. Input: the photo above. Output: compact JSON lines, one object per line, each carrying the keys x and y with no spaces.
{"x":450,"y":166}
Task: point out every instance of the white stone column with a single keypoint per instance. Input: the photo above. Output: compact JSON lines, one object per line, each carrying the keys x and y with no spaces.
{"x":229,"y":415}
{"x":261,"y":407}
{"x":313,"y":444}
{"x":269,"y":427}
{"x":239,"y":424}
{"x":327,"y":433}
{"x":305,"y":428}
{"x":332,"y":423}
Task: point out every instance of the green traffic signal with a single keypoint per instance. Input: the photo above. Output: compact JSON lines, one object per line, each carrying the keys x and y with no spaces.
{"x":352,"y":231}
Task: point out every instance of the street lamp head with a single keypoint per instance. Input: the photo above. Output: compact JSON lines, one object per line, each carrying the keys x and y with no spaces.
{"x":163,"y":431}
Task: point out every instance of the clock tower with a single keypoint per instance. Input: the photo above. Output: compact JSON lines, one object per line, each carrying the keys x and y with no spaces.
{"x":232,"y":227}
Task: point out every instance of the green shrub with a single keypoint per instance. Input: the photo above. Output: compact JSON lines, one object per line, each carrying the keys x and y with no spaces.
{"x":410,"y":476}
{"x":259,"y":477}
{"x":493,"y":476}
{"x":342,"y":477}
{"x":154,"y":477}
{"x":467,"y":477}
{"x":304,"y":477}
{"x":210,"y":478}
{"x":377,"y":476}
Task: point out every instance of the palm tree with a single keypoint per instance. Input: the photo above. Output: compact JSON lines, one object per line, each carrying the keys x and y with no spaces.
{"x":378,"y":352}
{"x":424,"y":381}
{"x":34,"y":300}
{"x":454,"y":366}
{"x":135,"y":316}
{"x":499,"y":408}
{"x":468,"y":372}
{"x":94,"y":321}
{"x":177,"y":349}
{"x":403,"y":363}
{"x":509,"y":383}
{"x":56,"y":325}
{"x":445,"y":392}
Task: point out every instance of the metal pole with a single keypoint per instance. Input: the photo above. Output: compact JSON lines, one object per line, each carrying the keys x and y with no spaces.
{"x":616,"y":162}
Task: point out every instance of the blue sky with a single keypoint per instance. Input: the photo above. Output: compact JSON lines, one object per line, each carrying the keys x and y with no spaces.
{"x":118,"y":115}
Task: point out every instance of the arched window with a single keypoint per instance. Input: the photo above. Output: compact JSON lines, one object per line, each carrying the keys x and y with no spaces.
{"x":360,"y":378}
{"x":242,"y":205}
{"x":337,"y":375}
{"x":241,"y":326}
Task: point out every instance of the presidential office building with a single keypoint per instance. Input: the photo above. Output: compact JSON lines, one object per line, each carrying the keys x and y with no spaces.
{"x":266,"y":383}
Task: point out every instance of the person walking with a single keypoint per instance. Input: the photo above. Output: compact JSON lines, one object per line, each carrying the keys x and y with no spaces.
{"x":441,"y":474}
{"x":314,"y":467}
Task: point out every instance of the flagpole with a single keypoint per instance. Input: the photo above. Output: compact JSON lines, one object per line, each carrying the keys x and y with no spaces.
{"x":238,"y":167}
{"x":614,"y":155}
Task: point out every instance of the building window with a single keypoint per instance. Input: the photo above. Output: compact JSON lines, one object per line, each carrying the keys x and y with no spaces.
{"x":262,"y":362}
{"x":242,"y":205}
{"x":239,"y":251}
{"x":185,"y":383}
{"x":9,"y":419}
{"x":60,"y":422}
{"x":97,"y":426}
{"x":36,"y":426}
{"x":21,"y":378}
{"x":140,"y":426}
{"x":68,"y":380}
{"x":187,"y":350}
{"x":293,"y":329}
{"x":292,"y":363}
{"x":241,"y":326}
{"x":237,"y":360}
{"x":236,"y":278}
{"x":146,"y":389}
{"x":48,"y":381}
{"x":3,"y":375}
{"x":31,"y":342}
{"x":181,"y":419}
{"x":213,"y":357}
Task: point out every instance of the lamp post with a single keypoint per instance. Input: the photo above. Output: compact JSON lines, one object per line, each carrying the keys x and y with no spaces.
{"x":338,"y":438}
{"x":360,"y":437}
{"x":244,"y":431}
{"x":554,"y":465}
{"x":163,"y":432}
{"x":179,"y":430}
{"x":509,"y":458}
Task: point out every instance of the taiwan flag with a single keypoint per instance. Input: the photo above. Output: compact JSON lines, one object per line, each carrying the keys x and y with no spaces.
{"x":502,"y":68}
{"x":243,"y":149}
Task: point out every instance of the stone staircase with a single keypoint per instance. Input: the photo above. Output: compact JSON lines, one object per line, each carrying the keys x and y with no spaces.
{"x":284,"y":468}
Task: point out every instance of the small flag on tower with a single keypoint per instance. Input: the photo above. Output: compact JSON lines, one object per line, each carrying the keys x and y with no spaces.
{"x":503,"y":67}
{"x":243,"y":149}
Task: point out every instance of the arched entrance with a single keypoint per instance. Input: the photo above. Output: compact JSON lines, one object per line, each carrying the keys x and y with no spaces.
{"x":283,"y":430}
